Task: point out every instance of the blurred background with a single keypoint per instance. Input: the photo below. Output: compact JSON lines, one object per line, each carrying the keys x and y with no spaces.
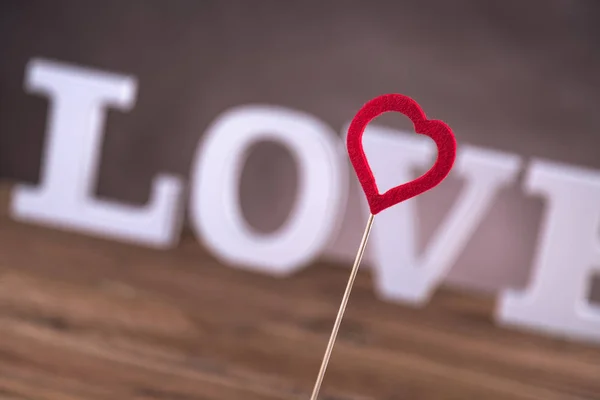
{"x":515,"y":76}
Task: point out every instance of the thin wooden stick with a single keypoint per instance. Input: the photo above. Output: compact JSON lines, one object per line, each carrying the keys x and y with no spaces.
{"x":342,"y":309}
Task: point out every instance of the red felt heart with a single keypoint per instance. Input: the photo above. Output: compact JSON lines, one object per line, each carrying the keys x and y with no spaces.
{"x":437,"y":130}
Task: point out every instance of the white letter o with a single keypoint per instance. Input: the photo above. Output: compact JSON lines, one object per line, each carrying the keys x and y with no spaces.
{"x":321,"y":196}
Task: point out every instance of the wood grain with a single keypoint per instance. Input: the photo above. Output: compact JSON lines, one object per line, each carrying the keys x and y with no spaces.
{"x":86,"y":319}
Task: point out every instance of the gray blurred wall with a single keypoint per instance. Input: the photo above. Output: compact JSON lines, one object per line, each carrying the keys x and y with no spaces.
{"x":516,"y":76}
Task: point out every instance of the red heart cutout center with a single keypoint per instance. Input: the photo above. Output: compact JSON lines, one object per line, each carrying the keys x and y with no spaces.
{"x":441,"y":134}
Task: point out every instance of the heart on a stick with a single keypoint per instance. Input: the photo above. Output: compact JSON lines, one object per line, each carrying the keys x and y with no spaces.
{"x":441,"y":134}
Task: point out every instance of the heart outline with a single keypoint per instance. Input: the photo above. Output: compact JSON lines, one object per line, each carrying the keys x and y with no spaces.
{"x":437,"y":130}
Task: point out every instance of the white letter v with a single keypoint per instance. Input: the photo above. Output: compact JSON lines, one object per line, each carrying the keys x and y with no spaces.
{"x":400,"y":274}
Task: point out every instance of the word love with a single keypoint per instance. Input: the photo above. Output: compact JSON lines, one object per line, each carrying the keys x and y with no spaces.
{"x":568,"y":253}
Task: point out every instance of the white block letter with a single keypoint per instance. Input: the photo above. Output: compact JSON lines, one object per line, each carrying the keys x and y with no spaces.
{"x":401,"y":274}
{"x":215,"y":210}
{"x":64,"y":199}
{"x":568,"y":255}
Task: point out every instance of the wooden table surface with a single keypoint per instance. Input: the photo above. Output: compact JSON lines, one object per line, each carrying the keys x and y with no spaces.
{"x":86,"y":319}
